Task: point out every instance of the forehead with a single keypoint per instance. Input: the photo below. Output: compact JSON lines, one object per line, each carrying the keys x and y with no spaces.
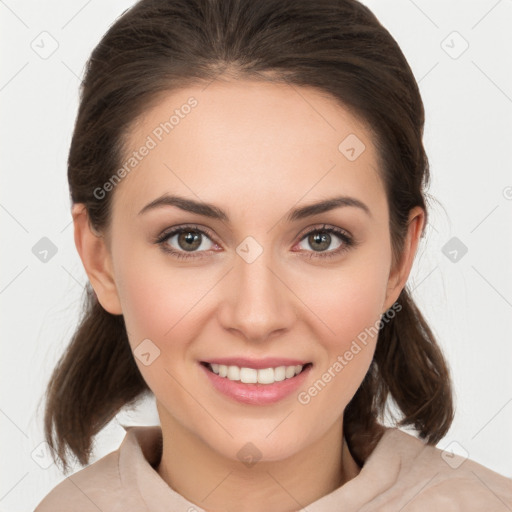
{"x":233,"y":142}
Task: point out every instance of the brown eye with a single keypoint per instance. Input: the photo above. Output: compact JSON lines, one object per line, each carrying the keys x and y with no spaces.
{"x":189,"y":240}
{"x":321,"y":239}
{"x":319,"y":242}
{"x":182,"y":240}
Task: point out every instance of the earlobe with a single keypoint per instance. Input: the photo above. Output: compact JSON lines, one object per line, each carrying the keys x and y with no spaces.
{"x":96,"y":259}
{"x":400,"y":274}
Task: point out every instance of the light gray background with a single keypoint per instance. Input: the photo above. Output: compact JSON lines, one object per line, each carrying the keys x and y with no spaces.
{"x":468,"y":101}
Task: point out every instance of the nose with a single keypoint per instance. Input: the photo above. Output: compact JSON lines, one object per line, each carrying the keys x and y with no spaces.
{"x":257,"y":301}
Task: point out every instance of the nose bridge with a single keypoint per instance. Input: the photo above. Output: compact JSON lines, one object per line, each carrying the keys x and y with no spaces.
{"x":257,"y":301}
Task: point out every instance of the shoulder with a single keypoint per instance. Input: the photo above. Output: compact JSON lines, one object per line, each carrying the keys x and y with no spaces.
{"x":430,"y":477}
{"x":112,"y":483}
{"x":87,"y":489}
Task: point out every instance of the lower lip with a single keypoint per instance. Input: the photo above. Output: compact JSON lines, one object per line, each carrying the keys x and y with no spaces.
{"x":256,"y":394}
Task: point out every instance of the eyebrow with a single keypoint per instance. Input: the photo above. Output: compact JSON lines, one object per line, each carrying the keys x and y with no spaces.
{"x":214,"y":212}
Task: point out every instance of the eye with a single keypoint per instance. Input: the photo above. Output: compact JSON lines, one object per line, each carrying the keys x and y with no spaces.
{"x":321,"y":238}
{"x":185,"y":242}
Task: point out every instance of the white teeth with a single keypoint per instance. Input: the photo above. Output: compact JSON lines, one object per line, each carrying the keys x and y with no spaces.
{"x":253,"y":376}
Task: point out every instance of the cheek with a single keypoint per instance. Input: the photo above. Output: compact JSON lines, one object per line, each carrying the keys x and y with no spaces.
{"x":359,"y":307}
{"x":352,"y":310}
{"x":163,"y":307}
{"x":157,"y":302}
{"x":347,"y":301}
{"x":168,"y":306}
{"x":349,"y":307}
{"x":352,"y":313}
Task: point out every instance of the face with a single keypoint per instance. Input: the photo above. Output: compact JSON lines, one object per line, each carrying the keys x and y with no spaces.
{"x":258,"y":282}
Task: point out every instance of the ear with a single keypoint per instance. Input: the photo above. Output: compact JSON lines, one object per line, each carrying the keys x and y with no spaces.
{"x":96,"y":259}
{"x":399,"y":275}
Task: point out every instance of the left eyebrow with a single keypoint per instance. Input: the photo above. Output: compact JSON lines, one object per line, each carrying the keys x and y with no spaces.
{"x":214,"y":212}
{"x":325,"y":206}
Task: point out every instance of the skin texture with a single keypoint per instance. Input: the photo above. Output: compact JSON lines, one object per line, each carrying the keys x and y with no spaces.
{"x":256,"y":150}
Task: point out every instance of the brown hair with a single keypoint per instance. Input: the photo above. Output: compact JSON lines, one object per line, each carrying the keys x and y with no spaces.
{"x":337,"y":46}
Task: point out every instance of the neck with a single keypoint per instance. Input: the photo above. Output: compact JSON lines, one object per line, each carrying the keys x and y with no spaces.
{"x":216,"y":483}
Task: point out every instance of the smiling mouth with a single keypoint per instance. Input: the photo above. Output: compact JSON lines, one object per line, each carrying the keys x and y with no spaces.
{"x":209,"y":366}
{"x":234,"y":373}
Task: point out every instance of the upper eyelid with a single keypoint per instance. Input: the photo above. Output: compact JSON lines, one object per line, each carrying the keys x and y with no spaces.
{"x":323,"y":227}
{"x":166,"y":233}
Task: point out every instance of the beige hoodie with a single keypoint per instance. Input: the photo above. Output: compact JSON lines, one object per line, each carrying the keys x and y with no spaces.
{"x":402,"y":474}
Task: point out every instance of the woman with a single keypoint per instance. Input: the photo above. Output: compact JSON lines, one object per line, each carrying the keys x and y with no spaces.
{"x":247,"y":181}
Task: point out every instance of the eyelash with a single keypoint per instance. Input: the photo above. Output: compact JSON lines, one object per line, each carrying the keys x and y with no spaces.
{"x":348,"y":241}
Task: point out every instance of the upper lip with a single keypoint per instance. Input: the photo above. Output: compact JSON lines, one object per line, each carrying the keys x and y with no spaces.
{"x":267,"y":362}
